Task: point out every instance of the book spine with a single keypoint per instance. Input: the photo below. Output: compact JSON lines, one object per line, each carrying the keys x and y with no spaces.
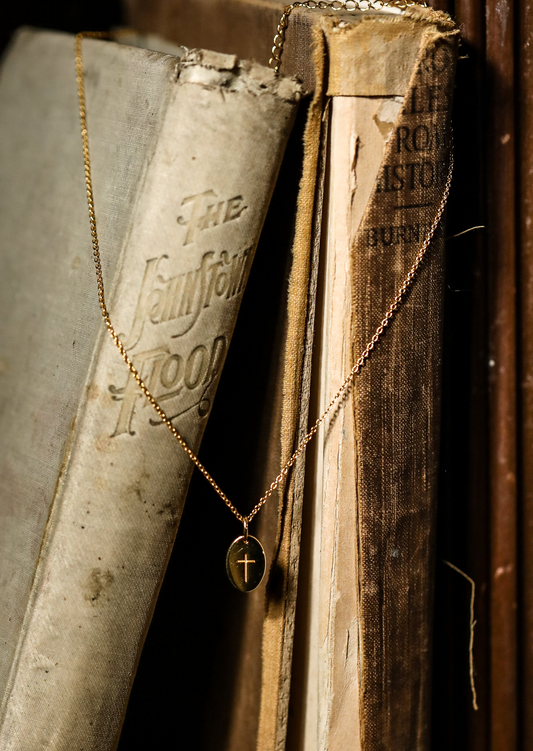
{"x":396,"y":412}
{"x":175,"y":298}
{"x":364,"y":604}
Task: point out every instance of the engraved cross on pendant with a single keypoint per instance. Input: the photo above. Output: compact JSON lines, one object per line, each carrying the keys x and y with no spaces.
{"x":246,"y":564}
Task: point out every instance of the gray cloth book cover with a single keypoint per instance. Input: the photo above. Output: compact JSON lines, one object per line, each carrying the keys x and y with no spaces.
{"x":185,"y":152}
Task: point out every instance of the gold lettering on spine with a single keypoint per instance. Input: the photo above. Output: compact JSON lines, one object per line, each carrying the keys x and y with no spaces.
{"x":215,"y":213}
{"x":182,"y":298}
{"x":185,"y":376}
{"x":168,"y":375}
{"x":196,"y":206}
{"x":142,"y":303}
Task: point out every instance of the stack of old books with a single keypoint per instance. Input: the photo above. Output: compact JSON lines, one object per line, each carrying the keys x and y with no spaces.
{"x":283,"y":214}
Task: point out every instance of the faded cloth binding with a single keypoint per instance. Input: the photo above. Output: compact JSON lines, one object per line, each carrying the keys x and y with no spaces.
{"x":396,"y":401}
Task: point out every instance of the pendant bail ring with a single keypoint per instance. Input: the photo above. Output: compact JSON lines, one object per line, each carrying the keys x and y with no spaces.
{"x":245,"y":525}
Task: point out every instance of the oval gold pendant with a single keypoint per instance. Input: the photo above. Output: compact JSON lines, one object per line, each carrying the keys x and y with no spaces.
{"x":245,"y":563}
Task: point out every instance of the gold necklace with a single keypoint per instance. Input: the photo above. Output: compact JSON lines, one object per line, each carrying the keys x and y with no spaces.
{"x":245,"y":560}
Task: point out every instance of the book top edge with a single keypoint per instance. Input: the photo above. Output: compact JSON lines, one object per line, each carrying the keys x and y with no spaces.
{"x":204,"y":67}
{"x":420,"y":14}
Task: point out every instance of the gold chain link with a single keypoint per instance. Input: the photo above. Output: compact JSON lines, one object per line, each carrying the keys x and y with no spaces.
{"x":135,"y":373}
{"x":335,"y":5}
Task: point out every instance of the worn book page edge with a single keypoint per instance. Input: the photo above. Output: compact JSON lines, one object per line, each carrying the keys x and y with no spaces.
{"x":354,"y":154}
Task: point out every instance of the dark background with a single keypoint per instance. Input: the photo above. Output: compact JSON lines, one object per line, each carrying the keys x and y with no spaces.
{"x":73,"y":16}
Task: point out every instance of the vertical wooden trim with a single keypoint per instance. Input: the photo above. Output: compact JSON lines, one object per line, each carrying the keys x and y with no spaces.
{"x":525,"y":228}
{"x":444,"y":5}
{"x":500,"y":158}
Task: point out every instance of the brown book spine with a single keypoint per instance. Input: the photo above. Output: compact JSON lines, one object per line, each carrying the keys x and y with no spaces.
{"x":397,"y":413}
{"x":369,"y":569}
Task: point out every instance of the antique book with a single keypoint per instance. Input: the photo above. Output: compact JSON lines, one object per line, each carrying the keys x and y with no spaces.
{"x":370,"y":501}
{"x":358,"y":586}
{"x":185,"y":151}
